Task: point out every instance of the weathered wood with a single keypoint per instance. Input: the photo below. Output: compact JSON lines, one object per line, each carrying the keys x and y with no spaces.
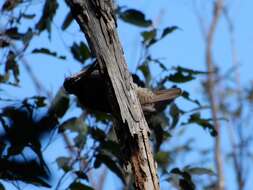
{"x":97,"y":21}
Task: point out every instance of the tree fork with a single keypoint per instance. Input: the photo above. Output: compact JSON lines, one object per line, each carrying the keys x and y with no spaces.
{"x":97,"y":20}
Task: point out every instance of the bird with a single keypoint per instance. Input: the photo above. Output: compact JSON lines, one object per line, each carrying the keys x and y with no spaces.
{"x":89,"y":86}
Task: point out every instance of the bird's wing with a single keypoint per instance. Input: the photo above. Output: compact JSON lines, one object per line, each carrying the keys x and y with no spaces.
{"x":168,"y":94}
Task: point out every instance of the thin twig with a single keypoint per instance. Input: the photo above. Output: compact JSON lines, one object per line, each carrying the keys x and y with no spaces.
{"x":237,"y":156}
{"x":38,"y":85}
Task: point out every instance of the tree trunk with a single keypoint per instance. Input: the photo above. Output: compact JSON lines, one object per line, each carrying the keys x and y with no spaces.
{"x":96,"y":19}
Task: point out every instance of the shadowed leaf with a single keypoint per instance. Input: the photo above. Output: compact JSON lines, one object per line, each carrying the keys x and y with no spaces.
{"x":200,"y":171}
{"x":144,"y":68}
{"x":10,"y":4}
{"x":79,"y":186}
{"x":135,"y":17}
{"x":60,"y":104}
{"x":168,"y":30}
{"x":4,"y":43}
{"x":186,"y":95}
{"x":49,"y":11}
{"x":190,"y":71}
{"x":48,"y":52}
{"x":175,"y":113}
{"x":11,"y":65}
{"x":111,"y":164}
{"x":149,"y":37}
{"x":67,"y":21}
{"x":180,"y":77}
{"x":80,"y":52}
{"x":205,"y":123}
{"x":162,"y":158}
{"x":97,"y":134}
{"x":28,"y":171}
{"x":64,"y":163}
{"x":28,"y":16}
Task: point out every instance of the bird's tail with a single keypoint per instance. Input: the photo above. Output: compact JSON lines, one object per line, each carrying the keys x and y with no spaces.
{"x":164,"y":95}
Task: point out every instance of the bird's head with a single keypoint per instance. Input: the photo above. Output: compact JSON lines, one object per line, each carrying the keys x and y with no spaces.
{"x":70,"y":85}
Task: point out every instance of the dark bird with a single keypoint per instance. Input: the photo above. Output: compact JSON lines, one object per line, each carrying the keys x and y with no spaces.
{"x":91,"y":90}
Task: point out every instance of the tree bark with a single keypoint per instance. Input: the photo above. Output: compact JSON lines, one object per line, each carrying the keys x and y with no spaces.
{"x":96,"y":19}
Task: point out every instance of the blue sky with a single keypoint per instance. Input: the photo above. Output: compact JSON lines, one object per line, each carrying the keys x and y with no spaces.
{"x":184,"y":47}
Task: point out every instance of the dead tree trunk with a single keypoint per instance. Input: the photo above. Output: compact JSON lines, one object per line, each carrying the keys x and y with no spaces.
{"x":96,"y":19}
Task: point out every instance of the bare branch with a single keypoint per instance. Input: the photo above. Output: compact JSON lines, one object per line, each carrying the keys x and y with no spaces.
{"x":211,"y":90}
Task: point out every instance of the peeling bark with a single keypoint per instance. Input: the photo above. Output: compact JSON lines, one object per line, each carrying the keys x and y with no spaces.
{"x":96,"y":19}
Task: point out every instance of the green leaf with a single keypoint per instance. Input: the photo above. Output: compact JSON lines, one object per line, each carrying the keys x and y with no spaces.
{"x":205,"y":123}
{"x":71,"y":124}
{"x":102,"y":117}
{"x":80,"y":140}
{"x":28,"y":16}
{"x":168,"y":30}
{"x":49,"y":11}
{"x":190,"y":71}
{"x":11,"y":65}
{"x":175,"y":113}
{"x":186,"y":95}
{"x":144,"y":68}
{"x":60,"y":104}
{"x":64,"y":163}
{"x":67,"y":21}
{"x":149,"y":37}
{"x":4,"y":43}
{"x":180,"y":77}
{"x":79,"y":186}
{"x":80,"y":52}
{"x":183,"y":75}
{"x":75,"y":124}
{"x":13,"y":33}
{"x":4,"y":78}
{"x":10,"y":5}
{"x":111,"y":164}
{"x":28,"y":36}
{"x":200,"y":171}
{"x":97,"y":134}
{"x":135,"y":17}
{"x":48,"y":52}
{"x":28,"y":171}
{"x":162,"y":158}
{"x":161,"y":64}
